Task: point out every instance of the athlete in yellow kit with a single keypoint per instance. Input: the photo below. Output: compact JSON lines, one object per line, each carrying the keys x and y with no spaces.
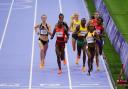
{"x":74,"y":23}
{"x":90,"y":38}
{"x":81,"y":31}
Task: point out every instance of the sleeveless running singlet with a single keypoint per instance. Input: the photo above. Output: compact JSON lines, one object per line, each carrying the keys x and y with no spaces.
{"x":43,"y":31}
{"x":75,"y":24}
{"x":90,"y":37}
{"x":83,"y":31}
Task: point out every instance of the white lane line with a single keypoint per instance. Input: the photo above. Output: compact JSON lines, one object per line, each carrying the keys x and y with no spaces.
{"x":5,"y":28}
{"x":85,"y":9}
{"x":60,"y":6}
{"x":69,"y":74}
{"x":106,"y":71}
{"x":108,"y":77}
{"x":32,"y":54}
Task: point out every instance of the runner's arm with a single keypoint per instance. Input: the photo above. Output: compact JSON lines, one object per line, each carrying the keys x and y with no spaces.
{"x":67,"y":35}
{"x":66,"y":25}
{"x":49,"y":30}
{"x":53,"y":34}
{"x":36,"y":27}
{"x":95,"y":36}
{"x":70,"y":27}
{"x":86,"y":35}
{"x":102,"y":33}
{"x":77,"y":30}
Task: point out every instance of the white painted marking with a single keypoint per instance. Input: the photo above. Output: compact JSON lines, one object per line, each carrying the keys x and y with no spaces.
{"x":60,"y":6}
{"x":42,"y":85}
{"x":91,"y":84}
{"x":19,"y":5}
{"x":9,"y":85}
{"x":69,"y":73}
{"x":32,"y":55}
{"x":6,"y":25}
{"x":106,"y":71}
{"x":86,"y":10}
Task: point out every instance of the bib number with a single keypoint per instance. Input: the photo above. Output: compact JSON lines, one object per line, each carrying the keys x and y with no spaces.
{"x":43,"y":32}
{"x":59,"y":34}
{"x":90,"y":40}
{"x":83,"y":33}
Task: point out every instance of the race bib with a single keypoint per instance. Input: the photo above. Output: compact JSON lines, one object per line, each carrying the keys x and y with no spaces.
{"x":83,"y":33}
{"x":59,"y":34}
{"x":90,"y":40}
{"x":43,"y":32}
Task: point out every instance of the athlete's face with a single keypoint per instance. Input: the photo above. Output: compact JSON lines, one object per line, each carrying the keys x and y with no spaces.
{"x":83,"y":22}
{"x":99,"y":22}
{"x":61,"y":18}
{"x":72,"y":18}
{"x":96,"y":15}
{"x":91,"y":28}
{"x":43,"y":18}
{"x":76,"y":17}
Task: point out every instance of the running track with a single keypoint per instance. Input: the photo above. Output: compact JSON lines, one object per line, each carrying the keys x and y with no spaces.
{"x":19,"y":51}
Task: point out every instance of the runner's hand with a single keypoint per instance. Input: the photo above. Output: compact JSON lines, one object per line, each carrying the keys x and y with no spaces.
{"x":51,"y":38}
